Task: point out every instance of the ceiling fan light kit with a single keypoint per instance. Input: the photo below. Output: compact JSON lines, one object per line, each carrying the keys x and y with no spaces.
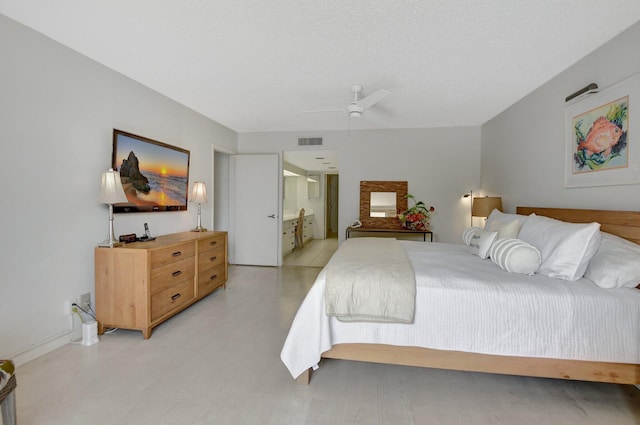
{"x":355,"y":111}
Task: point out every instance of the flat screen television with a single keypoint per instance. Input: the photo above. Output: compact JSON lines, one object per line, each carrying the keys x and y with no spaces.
{"x":155,"y":175}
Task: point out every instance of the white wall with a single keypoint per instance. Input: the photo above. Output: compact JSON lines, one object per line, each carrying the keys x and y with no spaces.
{"x":523,"y":147}
{"x":221,"y":194}
{"x":57,"y":113}
{"x":440,"y":164}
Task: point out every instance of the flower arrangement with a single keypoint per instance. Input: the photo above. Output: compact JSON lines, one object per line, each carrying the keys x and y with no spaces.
{"x":417,"y":216}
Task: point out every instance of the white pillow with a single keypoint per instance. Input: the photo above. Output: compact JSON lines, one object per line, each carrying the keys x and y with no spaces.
{"x":515,"y":256}
{"x":468,"y":233}
{"x":480,"y":242}
{"x":615,"y":264}
{"x":507,"y":230}
{"x":566,"y":248}
{"x":501,"y":217}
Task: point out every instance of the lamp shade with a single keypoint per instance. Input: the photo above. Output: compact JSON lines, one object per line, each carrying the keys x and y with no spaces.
{"x":111,"y":191}
{"x":199,"y":194}
{"x":482,"y":207}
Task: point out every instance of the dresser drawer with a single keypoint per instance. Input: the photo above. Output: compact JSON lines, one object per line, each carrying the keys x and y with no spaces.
{"x":160,"y":257}
{"x":171,"y":298}
{"x":288,"y":242}
{"x":211,"y":243}
{"x":170,"y":274}
{"x":211,"y":258}
{"x":212,"y":278}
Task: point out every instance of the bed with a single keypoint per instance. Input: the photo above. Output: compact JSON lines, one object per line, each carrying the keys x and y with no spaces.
{"x":598,"y":351}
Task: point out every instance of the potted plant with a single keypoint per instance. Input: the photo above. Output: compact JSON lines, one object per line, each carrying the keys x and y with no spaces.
{"x":417,"y":216}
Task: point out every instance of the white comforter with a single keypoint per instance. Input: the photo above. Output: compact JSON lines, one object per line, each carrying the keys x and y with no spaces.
{"x":464,"y":303}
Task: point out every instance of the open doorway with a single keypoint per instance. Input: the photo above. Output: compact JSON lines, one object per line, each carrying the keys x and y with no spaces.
{"x":305,"y":187}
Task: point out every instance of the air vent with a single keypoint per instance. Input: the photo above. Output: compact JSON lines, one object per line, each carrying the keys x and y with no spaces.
{"x":309,"y":141}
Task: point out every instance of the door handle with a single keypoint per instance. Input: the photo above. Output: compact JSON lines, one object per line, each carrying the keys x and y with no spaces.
{"x":272,"y":216}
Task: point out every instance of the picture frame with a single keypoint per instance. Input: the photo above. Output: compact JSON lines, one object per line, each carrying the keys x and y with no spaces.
{"x":602,"y":137}
{"x":154,"y":175}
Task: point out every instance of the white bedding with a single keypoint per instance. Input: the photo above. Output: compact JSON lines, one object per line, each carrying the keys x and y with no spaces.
{"x":370,"y":279}
{"x":465,"y":303}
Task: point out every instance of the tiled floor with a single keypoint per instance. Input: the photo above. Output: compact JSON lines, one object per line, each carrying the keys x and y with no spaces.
{"x":315,"y":253}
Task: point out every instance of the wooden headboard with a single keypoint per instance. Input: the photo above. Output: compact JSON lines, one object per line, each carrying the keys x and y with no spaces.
{"x":625,"y":224}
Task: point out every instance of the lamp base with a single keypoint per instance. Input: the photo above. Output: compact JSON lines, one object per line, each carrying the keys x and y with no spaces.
{"x":199,"y":229}
{"x":109,"y":244}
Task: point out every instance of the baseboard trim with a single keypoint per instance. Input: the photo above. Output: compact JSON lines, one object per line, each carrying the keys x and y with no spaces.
{"x":47,"y":345}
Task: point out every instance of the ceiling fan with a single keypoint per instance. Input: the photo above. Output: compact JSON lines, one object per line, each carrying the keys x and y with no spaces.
{"x":358,"y":106}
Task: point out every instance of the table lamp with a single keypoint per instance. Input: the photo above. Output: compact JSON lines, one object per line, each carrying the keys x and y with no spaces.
{"x":111,"y":192}
{"x":199,"y":196}
{"x":482,"y":207}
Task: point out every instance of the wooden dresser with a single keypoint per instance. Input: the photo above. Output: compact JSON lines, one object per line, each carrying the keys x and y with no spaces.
{"x":142,"y":284}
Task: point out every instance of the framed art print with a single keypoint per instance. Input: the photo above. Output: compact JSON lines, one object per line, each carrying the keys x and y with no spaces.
{"x":602,"y":146}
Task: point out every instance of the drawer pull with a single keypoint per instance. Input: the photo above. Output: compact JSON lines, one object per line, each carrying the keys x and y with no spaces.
{"x":213,"y":258}
{"x":214,"y":277}
{"x":175,"y":297}
{"x":177,"y":253}
{"x":176,"y":273}
{"x":213,"y":243}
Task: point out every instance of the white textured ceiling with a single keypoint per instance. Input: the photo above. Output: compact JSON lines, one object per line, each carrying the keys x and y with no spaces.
{"x":323,"y":161}
{"x":252,"y":64}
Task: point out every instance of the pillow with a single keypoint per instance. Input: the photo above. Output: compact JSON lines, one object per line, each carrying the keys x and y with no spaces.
{"x":501,"y":217}
{"x":515,"y":256}
{"x":468,"y":233}
{"x":615,"y":264}
{"x":565,"y":248}
{"x":480,"y":242}
{"x":507,"y":230}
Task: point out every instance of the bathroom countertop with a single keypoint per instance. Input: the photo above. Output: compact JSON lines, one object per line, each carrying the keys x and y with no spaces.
{"x":293,"y":216}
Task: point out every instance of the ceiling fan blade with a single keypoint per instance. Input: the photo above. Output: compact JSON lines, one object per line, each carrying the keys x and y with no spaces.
{"x":373,"y":98}
{"x":321,"y":110}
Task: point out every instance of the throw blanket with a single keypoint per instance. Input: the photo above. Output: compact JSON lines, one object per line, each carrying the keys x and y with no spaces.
{"x":370,"y":280}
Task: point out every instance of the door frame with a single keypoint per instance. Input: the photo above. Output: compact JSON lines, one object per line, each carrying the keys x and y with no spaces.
{"x":216,"y":196}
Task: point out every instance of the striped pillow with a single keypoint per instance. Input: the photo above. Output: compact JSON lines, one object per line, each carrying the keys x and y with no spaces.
{"x":515,"y":256}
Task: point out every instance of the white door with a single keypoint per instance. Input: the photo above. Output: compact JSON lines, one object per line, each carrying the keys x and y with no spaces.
{"x":255,"y":218}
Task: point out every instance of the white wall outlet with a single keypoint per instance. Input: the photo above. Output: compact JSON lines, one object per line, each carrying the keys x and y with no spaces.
{"x":85,"y":301}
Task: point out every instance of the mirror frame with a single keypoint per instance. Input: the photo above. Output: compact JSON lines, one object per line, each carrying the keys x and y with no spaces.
{"x":366,"y":187}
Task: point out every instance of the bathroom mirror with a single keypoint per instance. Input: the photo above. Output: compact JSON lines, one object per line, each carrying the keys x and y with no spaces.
{"x":380,"y":202}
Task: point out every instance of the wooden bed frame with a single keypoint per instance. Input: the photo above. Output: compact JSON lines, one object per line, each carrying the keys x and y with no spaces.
{"x":625,"y":224}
